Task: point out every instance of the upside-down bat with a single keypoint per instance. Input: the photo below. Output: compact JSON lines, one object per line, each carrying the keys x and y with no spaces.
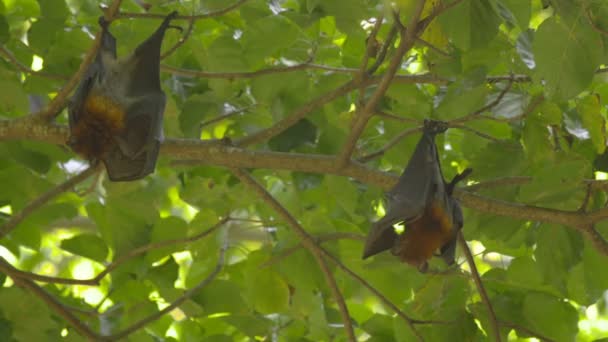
{"x":116,"y":113}
{"x":423,"y":202}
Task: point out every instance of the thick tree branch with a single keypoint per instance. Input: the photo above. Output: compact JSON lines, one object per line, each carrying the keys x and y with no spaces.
{"x":217,"y":153}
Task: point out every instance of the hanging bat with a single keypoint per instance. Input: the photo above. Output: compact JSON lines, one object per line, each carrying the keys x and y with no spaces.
{"x":116,"y":113}
{"x":423,"y":202}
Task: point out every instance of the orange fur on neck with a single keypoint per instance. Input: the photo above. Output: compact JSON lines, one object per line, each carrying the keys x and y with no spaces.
{"x":101,"y":120}
{"x":424,"y":236}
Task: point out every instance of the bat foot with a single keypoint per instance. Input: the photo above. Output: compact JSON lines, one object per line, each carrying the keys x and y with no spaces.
{"x":435,"y":126}
{"x":103,"y":23}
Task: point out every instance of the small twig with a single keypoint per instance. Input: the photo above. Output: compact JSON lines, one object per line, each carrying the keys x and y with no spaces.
{"x":60,"y":309}
{"x":480,"y":134}
{"x":432,"y":47}
{"x":308,"y":242}
{"x":213,"y":14}
{"x":525,"y":330}
{"x":480,"y":288}
{"x":487,"y":107}
{"x":223,"y":117}
{"x":176,"y":303}
{"x":437,"y":11}
{"x":593,"y":24}
{"x":371,"y":40}
{"x":388,"y":42}
{"x":21,"y":67}
{"x":320,"y":239}
{"x":394,"y":141}
{"x":408,"y":37}
{"x":121,"y":260}
{"x":588,"y":192}
{"x":300,"y":113}
{"x":598,"y":241}
{"x":391,"y":116}
{"x":17,"y":218}
{"x":252,"y":74}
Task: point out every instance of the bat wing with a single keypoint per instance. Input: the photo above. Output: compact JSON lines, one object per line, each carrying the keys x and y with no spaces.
{"x":137,"y":147}
{"x":145,"y":62}
{"x":448,"y":251}
{"x":136,"y":150}
{"x":407,"y":201}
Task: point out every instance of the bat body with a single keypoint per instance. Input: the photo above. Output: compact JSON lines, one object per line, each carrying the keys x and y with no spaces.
{"x":116,"y":113}
{"x":422,"y":201}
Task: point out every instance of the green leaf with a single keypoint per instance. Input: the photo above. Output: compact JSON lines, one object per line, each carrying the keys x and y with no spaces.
{"x":567,"y":65}
{"x":267,"y":292}
{"x":303,"y":132}
{"x":471,"y":24}
{"x":221,"y":296}
{"x":589,"y":110}
{"x":87,"y":245}
{"x":543,"y":311}
{"x":25,"y":311}
{"x":268,"y":36}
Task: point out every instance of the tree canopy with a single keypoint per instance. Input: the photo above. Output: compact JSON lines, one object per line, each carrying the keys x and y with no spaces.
{"x":286,"y":121}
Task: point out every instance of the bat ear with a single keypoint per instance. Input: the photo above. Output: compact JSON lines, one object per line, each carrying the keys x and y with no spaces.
{"x":381,"y":237}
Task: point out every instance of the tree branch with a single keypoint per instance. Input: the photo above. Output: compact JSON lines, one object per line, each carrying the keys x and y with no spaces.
{"x":17,"y":218}
{"x":307,"y":241}
{"x":176,"y":303}
{"x":95,"y":281}
{"x":480,"y":288}
{"x":60,"y":309}
{"x":408,"y":38}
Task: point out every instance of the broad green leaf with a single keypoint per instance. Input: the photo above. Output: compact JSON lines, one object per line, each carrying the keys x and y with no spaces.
{"x":26,"y":311}
{"x":302,"y":133}
{"x":267,"y":292}
{"x":268,"y":36}
{"x":471,"y":24}
{"x":543,"y":311}
{"x":87,"y":245}
{"x":221,"y":296}
{"x":566,"y":65}
{"x":589,"y":109}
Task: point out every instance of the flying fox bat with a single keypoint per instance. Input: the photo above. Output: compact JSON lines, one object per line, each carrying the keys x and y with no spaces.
{"x":116,"y":113}
{"x":423,"y":202}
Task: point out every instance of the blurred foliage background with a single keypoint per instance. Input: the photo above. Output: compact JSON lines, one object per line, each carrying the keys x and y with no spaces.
{"x":193,"y":253}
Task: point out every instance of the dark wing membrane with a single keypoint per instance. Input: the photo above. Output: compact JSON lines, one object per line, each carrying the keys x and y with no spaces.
{"x":409,"y":198}
{"x":448,"y":251}
{"x":121,"y":167}
{"x":137,"y":148}
{"x":145,"y":62}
